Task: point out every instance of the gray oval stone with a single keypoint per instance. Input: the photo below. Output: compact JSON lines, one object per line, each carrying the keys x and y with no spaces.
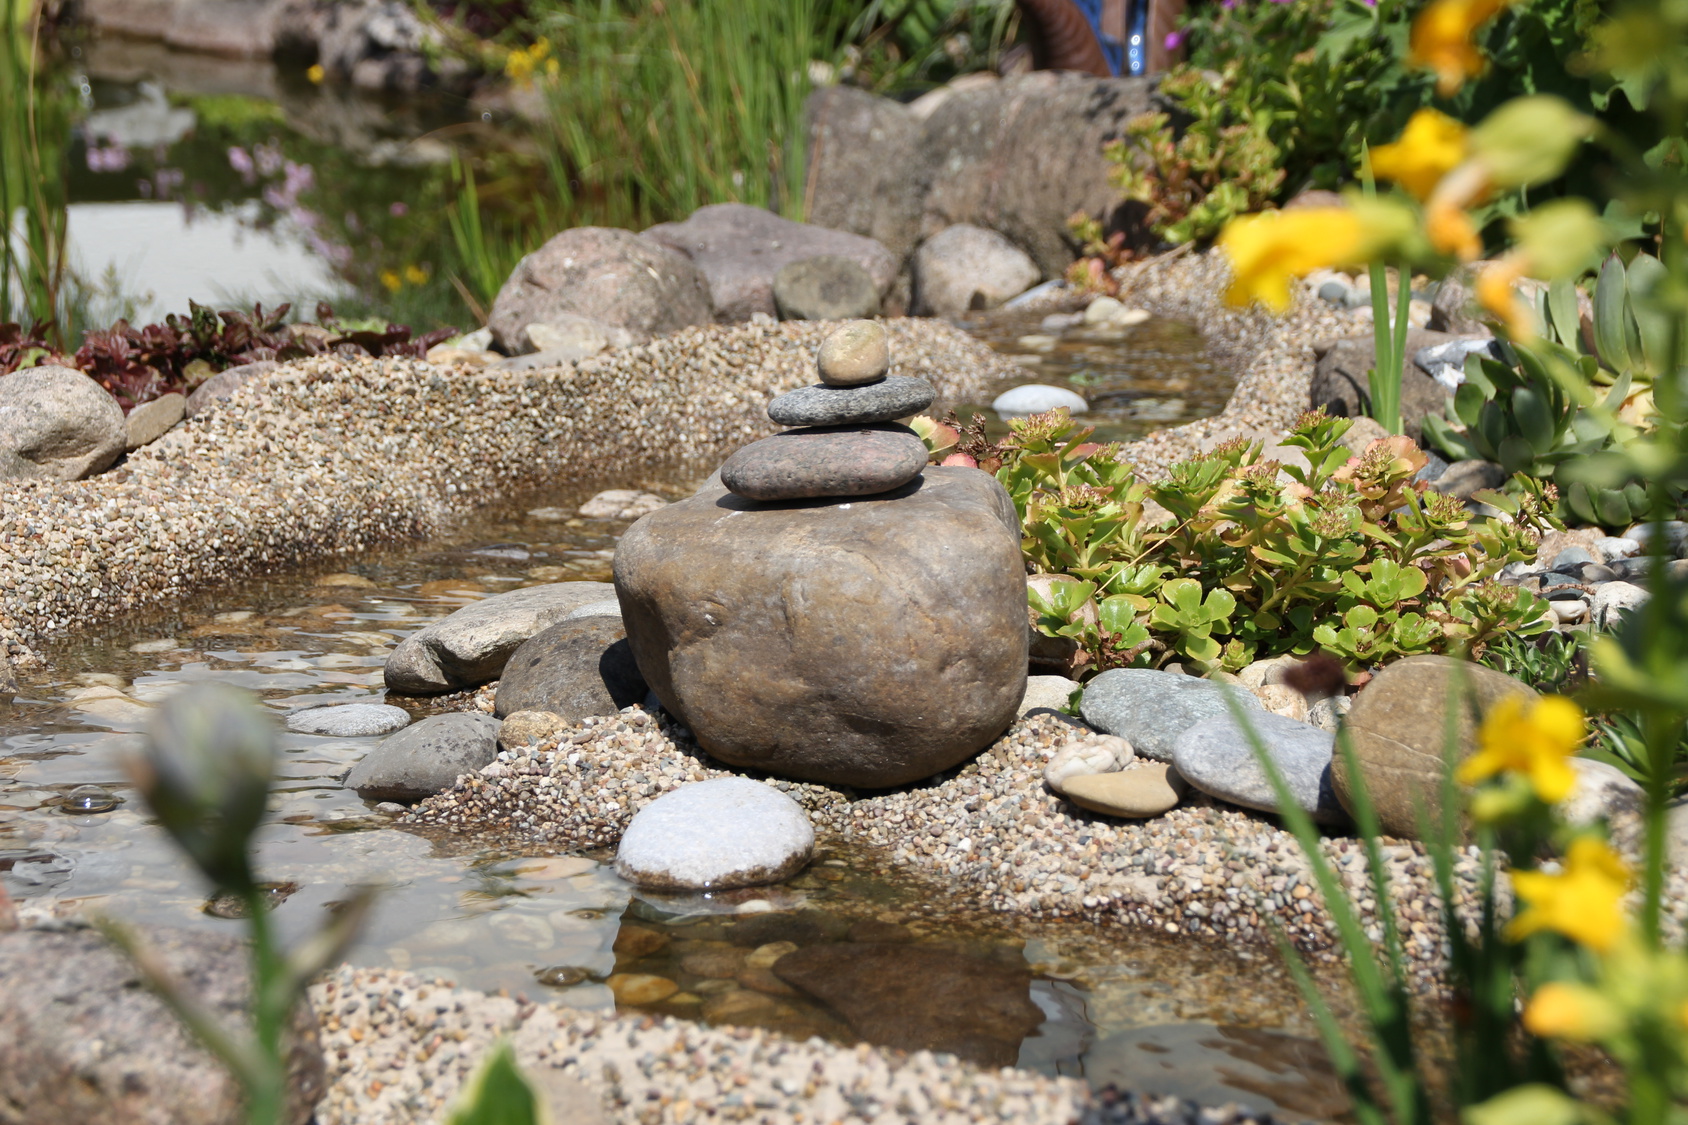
{"x":1217,"y":756}
{"x":716,"y":834}
{"x":349,"y":720}
{"x":884,"y":401}
{"x":1150,"y":708}
{"x":825,"y":461}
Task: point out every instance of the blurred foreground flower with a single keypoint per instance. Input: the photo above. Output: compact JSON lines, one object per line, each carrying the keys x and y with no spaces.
{"x":1432,"y":145}
{"x":1584,"y":902}
{"x":205,"y":772}
{"x":1441,"y":40}
{"x":1268,"y":249}
{"x":1535,"y":741}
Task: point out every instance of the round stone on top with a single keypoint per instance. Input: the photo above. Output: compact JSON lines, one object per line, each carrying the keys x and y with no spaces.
{"x":855,"y":355}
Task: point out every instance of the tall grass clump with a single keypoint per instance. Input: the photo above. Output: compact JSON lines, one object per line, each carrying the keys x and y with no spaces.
{"x":33,"y":128}
{"x":657,"y":109}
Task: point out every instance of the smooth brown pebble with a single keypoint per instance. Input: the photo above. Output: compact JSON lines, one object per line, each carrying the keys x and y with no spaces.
{"x":1147,"y":790}
{"x":634,"y":942}
{"x":856,"y":354}
{"x":717,"y":964}
{"x":764,"y":956}
{"x":641,"y":988}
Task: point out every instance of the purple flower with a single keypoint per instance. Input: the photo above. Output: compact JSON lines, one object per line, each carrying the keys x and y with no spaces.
{"x":401,"y":208}
{"x":241,"y":161}
{"x":269,"y":159}
{"x":107,"y":158}
{"x":1174,"y":40}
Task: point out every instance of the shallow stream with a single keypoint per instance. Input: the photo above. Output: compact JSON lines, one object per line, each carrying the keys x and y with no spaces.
{"x":1131,"y":1007}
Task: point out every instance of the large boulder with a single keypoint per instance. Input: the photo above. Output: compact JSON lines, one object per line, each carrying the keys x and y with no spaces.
{"x":57,"y":424}
{"x":470,"y":646}
{"x":862,"y":149}
{"x":613,"y":276}
{"x":964,"y":268}
{"x":1398,"y":727}
{"x":741,"y":248}
{"x":1018,"y":156}
{"x":578,"y":667}
{"x":82,"y":1040}
{"x":1340,"y":384}
{"x":868,"y":643}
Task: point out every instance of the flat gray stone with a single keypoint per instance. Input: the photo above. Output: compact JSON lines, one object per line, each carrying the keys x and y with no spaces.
{"x":713,"y":835}
{"x":426,"y":758}
{"x":820,"y":405}
{"x":828,"y":461}
{"x":349,"y":720}
{"x":225,"y":383}
{"x":1217,"y":757}
{"x":469,"y":647}
{"x":609,"y":607}
{"x":1150,"y":709}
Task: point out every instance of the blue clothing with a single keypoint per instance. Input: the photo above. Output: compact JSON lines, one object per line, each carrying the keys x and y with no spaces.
{"x":1112,"y":49}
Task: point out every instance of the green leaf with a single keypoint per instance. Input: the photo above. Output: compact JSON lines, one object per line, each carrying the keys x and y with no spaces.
{"x":1610,"y":305}
{"x":1117,"y":614}
{"x":498,"y":1094}
{"x":1533,"y":1104}
{"x":1535,"y":420}
{"x":1562,"y":311}
{"x":1647,"y":275}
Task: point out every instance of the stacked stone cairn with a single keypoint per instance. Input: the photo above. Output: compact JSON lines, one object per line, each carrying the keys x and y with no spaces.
{"x":847,"y":442}
{"x":829,"y":607}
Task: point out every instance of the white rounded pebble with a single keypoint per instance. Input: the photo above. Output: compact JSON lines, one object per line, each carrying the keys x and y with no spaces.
{"x":349,"y":720}
{"x":712,"y":835}
{"x":1037,"y":398}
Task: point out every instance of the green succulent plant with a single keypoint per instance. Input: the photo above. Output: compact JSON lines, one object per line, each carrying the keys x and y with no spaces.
{"x":1254,"y":558}
{"x":1547,"y":416}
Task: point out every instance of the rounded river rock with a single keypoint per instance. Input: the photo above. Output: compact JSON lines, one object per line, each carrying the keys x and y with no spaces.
{"x":896,"y":397}
{"x":714,"y":835}
{"x":870,"y":644}
{"x":825,"y":461}
{"x":578,"y":667}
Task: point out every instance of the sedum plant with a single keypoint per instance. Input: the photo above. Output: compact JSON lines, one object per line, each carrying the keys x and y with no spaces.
{"x":1253,"y":557}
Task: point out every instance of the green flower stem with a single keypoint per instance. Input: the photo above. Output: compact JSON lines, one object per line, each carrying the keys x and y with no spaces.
{"x":273,"y":998}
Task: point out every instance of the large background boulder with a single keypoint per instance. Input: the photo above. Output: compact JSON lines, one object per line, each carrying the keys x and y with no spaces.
{"x":964,"y":267}
{"x":1018,"y":156}
{"x":57,"y":424}
{"x":741,"y":248}
{"x":81,"y":1040}
{"x":871,"y":643}
{"x":612,"y":276}
{"x":1340,"y":384}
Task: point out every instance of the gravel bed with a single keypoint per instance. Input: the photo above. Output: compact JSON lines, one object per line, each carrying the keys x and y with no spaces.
{"x":326,"y":457}
{"x":399,"y":1048}
{"x":990,"y":832}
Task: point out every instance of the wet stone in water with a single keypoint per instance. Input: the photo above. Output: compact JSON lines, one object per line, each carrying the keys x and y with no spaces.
{"x":562,"y":976}
{"x":227,"y":904}
{"x":86,"y":800}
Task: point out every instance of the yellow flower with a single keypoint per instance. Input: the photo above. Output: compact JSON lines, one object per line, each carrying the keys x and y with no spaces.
{"x":392,"y":280}
{"x":1432,"y":145}
{"x":1452,"y":232}
{"x":1570,"y":1011}
{"x":1493,"y":290}
{"x":415,"y":274}
{"x":316,"y":74}
{"x":1535,"y":742}
{"x":1584,"y":901}
{"x":1268,"y":249}
{"x":1441,"y":40}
